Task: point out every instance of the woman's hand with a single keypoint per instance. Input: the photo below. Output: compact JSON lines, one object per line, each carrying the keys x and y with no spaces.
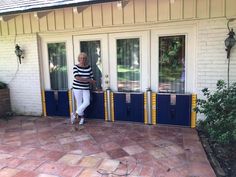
{"x":91,"y":81}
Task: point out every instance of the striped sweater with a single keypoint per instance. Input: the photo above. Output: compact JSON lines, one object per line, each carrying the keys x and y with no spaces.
{"x":83,"y":72}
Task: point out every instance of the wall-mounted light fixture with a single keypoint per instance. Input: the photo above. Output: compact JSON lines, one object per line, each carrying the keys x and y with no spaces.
{"x":230,"y":40}
{"x":229,"y":43}
{"x":18,"y":52}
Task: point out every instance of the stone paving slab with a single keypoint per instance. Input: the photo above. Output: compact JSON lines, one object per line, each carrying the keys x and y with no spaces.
{"x":51,"y":147}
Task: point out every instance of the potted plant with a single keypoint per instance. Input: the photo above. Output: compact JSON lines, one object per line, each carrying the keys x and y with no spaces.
{"x":5,"y":106}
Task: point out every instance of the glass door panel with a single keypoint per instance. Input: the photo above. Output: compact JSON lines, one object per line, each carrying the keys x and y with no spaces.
{"x":93,"y":50}
{"x":128,"y":64}
{"x":57,"y":66}
{"x":172,"y":64}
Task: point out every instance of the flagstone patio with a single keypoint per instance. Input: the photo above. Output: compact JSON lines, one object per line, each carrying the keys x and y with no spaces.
{"x":51,"y":147}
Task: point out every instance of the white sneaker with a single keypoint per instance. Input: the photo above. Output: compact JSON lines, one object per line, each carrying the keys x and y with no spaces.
{"x":81,"y":122}
{"x":72,"y":118}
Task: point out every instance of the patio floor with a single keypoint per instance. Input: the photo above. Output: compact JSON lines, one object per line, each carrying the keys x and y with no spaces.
{"x":51,"y":147}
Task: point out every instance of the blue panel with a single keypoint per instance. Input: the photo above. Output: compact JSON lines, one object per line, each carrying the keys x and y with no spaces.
{"x":120,"y":107}
{"x":63,"y":104}
{"x":163,"y":112}
{"x":137,"y":106}
{"x":183,"y":109}
{"x":132,"y":111}
{"x":96,"y":107}
{"x":179,"y":114}
{"x":51,"y":104}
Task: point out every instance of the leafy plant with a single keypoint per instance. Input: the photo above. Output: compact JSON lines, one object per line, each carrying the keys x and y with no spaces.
{"x":3,"y":85}
{"x":219,"y":109}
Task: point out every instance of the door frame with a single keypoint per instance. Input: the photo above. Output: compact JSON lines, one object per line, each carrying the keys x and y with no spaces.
{"x":103,"y":38}
{"x":190,"y":49}
{"x":144,"y":57}
{"x":45,"y":65}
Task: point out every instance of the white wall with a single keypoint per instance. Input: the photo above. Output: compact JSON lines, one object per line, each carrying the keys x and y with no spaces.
{"x":211,"y":55}
{"x":23,"y":79}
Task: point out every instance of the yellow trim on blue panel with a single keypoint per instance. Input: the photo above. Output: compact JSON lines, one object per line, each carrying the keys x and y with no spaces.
{"x":44,"y":104}
{"x":193,"y":113}
{"x":105,"y":106}
{"x":154,"y":117}
{"x":145,"y":109}
{"x":70,"y":101}
{"x":112,"y":108}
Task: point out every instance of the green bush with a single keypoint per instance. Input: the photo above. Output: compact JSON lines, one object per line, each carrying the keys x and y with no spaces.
{"x":219,"y":109}
{"x":3,"y":85}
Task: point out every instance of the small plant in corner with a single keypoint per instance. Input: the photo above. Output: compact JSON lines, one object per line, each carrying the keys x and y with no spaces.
{"x":219,"y":109}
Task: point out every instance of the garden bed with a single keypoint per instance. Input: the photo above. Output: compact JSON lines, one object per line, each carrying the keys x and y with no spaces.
{"x":221,"y":157}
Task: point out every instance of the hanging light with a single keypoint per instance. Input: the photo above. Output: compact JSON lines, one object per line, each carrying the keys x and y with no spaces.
{"x":230,"y":42}
{"x":18,"y":52}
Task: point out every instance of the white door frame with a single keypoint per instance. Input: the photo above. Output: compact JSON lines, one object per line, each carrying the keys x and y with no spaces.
{"x":190,"y":73}
{"x":144,"y":57}
{"x":69,"y":56}
{"x":103,"y":38}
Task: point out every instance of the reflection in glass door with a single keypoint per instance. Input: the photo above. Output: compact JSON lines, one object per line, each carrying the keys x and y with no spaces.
{"x":172,"y":64}
{"x":128,"y":64}
{"x":57,"y":66}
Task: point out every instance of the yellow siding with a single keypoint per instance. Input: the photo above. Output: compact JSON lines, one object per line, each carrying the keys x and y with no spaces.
{"x":152,"y":10}
{"x":59,"y":16}
{"x":109,"y":14}
{"x":43,"y":24}
{"x":27,"y":23}
{"x":117,"y":14}
{"x":12,"y":26}
{"x":189,"y":9}
{"x":78,"y":20}
{"x":129,"y":13}
{"x":97,"y":15}
{"x":139,"y":11}
{"x":217,"y":8}
{"x":51,"y":21}
{"x":0,"y":29}
{"x":4,"y":28}
{"x":87,"y":17}
{"x":163,"y":10}
{"x":231,"y":8}
{"x":19,"y":25}
{"x":176,"y":9}
{"x":203,"y":8}
{"x":34,"y":23}
{"x":68,"y":18}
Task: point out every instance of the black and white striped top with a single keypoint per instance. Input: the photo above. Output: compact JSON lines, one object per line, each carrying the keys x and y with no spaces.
{"x":84,"y":72}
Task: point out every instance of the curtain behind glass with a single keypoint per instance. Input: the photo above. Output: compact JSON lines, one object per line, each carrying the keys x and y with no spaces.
{"x":172,"y":64}
{"x":58,"y":66}
{"x":128,"y":64}
{"x":93,"y":50}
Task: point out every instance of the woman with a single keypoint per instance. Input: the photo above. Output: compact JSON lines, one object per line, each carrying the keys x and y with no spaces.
{"x":83,"y":77}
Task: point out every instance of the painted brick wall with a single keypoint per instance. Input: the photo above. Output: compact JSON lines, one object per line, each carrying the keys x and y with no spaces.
{"x":211,"y":60}
{"x":23,"y":79}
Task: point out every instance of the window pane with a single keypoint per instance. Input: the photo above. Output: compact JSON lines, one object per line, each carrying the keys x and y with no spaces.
{"x":128,"y":64}
{"x":172,"y":64}
{"x":93,"y":50}
{"x":57,"y":66}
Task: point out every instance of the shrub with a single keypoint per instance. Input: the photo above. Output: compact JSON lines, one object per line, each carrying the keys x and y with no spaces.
{"x":3,"y":85}
{"x":219,"y":109}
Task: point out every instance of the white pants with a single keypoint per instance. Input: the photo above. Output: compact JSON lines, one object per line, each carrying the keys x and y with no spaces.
{"x":82,"y":98}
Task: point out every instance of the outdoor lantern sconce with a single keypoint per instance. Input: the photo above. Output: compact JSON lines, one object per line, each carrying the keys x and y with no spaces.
{"x":18,"y":52}
{"x":229,"y":41}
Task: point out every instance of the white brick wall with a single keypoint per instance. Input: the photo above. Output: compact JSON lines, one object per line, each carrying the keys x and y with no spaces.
{"x":211,"y":60}
{"x":23,"y":79}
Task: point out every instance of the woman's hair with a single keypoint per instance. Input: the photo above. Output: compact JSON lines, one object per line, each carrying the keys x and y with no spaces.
{"x":83,"y":54}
